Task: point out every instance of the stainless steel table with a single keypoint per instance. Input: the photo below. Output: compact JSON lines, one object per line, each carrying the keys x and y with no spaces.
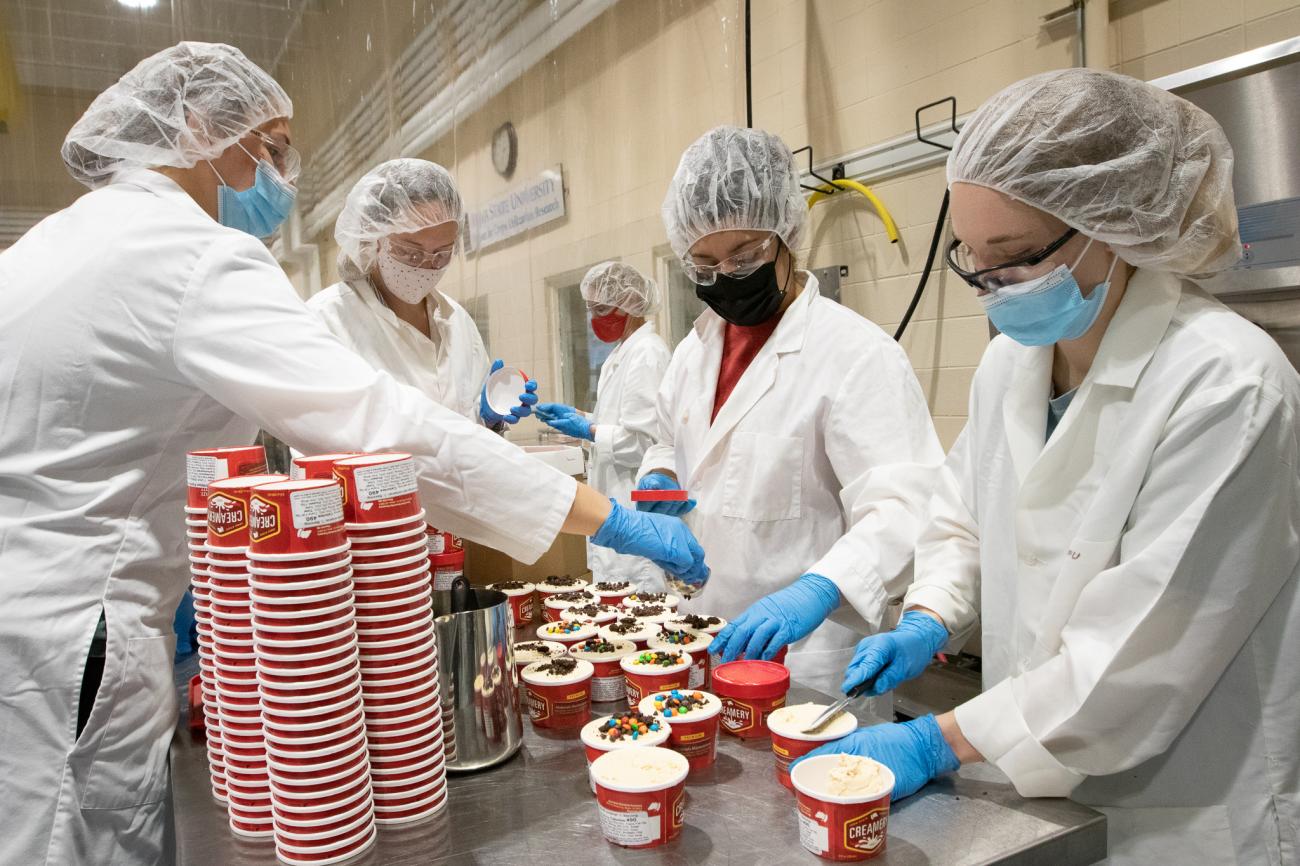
{"x":537,"y":807}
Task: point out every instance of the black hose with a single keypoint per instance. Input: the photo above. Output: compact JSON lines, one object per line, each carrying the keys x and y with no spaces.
{"x":929,"y":264}
{"x":749,"y":81}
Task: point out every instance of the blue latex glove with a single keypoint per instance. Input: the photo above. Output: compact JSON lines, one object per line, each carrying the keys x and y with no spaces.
{"x":781,"y":618}
{"x":660,"y":481}
{"x":567,"y":420}
{"x":896,"y":656}
{"x":665,"y":541}
{"x":527,"y":401}
{"x":915,"y":751}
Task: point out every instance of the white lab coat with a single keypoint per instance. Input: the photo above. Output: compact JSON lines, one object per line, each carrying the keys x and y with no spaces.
{"x":1136,"y":579}
{"x":134,"y":328}
{"x":627,"y":424}
{"x":821,"y":460}
{"x":450,"y":368}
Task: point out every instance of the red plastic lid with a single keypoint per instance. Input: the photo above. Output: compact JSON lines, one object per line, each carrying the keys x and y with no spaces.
{"x":750,"y":679}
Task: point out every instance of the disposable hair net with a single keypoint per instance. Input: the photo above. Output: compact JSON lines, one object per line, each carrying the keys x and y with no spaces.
{"x":183,"y":105}
{"x":1122,"y":161}
{"x":614,"y":284}
{"x":395,"y":197}
{"x":733,"y":178}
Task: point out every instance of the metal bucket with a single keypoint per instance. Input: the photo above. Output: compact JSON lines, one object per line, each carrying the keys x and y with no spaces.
{"x":482,"y":724}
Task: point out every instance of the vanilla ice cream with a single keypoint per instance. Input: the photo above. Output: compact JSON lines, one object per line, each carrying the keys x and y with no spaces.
{"x":791,"y":722}
{"x":854,"y":776}
{"x":639,"y":768}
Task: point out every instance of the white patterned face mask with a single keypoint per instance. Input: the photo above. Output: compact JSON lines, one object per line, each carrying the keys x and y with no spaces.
{"x":407,"y":282}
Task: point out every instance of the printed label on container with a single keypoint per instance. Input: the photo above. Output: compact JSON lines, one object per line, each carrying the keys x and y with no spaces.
{"x":437,"y":543}
{"x":296,"y":472}
{"x":225,"y":515}
{"x":633,"y":692}
{"x":541,"y":708}
{"x":865,"y":833}
{"x":608,"y":688}
{"x":385,"y":481}
{"x":263,"y":519}
{"x":527,"y":609}
{"x":318,"y":507}
{"x":737,"y":716}
{"x":201,"y":470}
{"x":694,"y":745}
{"x":813,"y":835}
{"x":444,"y":577}
{"x":632,"y":827}
{"x":697,"y":675}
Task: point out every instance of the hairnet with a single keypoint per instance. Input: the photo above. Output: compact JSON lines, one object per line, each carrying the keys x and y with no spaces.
{"x":1120,"y":160}
{"x":395,"y":197}
{"x":178,"y":107}
{"x":733,"y":178}
{"x":614,"y":284}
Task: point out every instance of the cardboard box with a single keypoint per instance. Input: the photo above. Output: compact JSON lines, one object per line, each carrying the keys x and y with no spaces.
{"x":568,"y":555}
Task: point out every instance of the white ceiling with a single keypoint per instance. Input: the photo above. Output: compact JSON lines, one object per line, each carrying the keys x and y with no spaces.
{"x":88,"y":44}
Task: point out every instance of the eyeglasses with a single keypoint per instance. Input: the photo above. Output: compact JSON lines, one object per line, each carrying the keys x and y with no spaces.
{"x":963,"y":262}
{"x":418,"y":257}
{"x":739,"y":265}
{"x":285,"y":157}
{"x":597,"y":311}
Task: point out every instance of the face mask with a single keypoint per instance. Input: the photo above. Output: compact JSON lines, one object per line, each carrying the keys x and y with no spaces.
{"x":609,"y":328}
{"x":744,"y":301}
{"x":260,"y":209}
{"x":407,"y":282}
{"x":1048,"y":309}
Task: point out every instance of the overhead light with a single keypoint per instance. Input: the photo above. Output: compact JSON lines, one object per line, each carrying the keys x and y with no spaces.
{"x":138,"y":4}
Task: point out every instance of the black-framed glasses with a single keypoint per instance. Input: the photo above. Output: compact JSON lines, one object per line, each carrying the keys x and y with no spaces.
{"x":961,"y":260}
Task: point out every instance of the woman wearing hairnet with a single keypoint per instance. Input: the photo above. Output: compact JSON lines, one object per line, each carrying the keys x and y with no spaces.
{"x":144,"y":320}
{"x":1121,"y":512}
{"x":619,"y":299}
{"x":797,"y":425}
{"x":396,"y":235}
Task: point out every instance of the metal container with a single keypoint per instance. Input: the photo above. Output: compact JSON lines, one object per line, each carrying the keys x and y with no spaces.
{"x":482,"y":724}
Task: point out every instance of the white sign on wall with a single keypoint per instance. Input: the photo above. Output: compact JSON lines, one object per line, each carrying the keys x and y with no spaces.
{"x":536,"y":203}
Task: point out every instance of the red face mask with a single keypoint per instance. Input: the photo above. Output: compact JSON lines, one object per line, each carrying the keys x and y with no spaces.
{"x":609,"y":328}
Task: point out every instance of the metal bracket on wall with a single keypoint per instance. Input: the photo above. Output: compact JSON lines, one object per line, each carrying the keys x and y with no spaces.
{"x":951,"y":101}
{"x":837,"y":173}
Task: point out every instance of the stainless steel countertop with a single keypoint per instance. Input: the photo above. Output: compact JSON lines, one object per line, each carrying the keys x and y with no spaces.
{"x":538,"y":805}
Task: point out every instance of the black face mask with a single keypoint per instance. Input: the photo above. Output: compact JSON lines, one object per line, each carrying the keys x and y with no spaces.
{"x":744,"y":301}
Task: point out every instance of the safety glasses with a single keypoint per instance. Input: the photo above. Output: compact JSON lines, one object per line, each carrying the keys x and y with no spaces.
{"x":739,"y":265}
{"x":962,"y":261}
{"x":418,"y":257}
{"x":285,"y":157}
{"x":596,"y":311}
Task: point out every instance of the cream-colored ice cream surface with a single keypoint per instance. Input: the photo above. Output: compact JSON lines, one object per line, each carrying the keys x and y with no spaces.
{"x":525,"y":652}
{"x":792,"y":720}
{"x":639,"y":768}
{"x":712,"y":706}
{"x":541,"y":673}
{"x":855,"y":776}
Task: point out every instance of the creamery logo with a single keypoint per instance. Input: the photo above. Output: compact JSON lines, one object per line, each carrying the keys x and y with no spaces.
{"x":263,"y":518}
{"x":538,"y":707}
{"x":737,"y":716}
{"x":866,"y":832}
{"x":225,"y":515}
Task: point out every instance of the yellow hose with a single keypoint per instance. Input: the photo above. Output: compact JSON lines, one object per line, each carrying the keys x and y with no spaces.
{"x":891,"y":228}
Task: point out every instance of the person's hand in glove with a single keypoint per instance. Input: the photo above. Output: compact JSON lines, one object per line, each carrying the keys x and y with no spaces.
{"x":897,"y":656}
{"x":665,"y":541}
{"x":660,"y":481}
{"x":567,"y":420}
{"x":781,"y":618}
{"x":527,"y":401}
{"x":915,"y":751}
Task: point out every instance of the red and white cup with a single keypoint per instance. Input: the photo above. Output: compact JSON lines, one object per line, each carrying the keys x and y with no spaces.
{"x":522,"y":599}
{"x":608,"y":682}
{"x":566,"y":631}
{"x":695,"y":734}
{"x":641,"y":794}
{"x":206,"y":465}
{"x":697,"y":646}
{"x":789,"y":742}
{"x":555,"y":604}
{"x":378,"y":488}
{"x":639,"y":633}
{"x":524,"y":655}
{"x":317,"y":465}
{"x":228,"y":513}
{"x":304,"y":517}
{"x":750,"y":691}
{"x":645,"y":679}
{"x":612,"y":592}
{"x":447,"y":568}
{"x":841,"y":828}
{"x":334,"y":851}
{"x":594,"y":745}
{"x":558,"y":702}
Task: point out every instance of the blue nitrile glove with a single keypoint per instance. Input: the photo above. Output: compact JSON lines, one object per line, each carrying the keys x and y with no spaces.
{"x":897,"y":655}
{"x":781,"y":618}
{"x":915,"y":751}
{"x":665,"y":541}
{"x":660,"y":481}
{"x":567,"y":420}
{"x":527,"y":401}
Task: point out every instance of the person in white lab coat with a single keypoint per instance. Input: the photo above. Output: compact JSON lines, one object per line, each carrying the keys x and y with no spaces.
{"x":624,"y":423}
{"x":797,"y":425}
{"x":397,"y":233}
{"x":136,"y":324}
{"x":1122,"y":509}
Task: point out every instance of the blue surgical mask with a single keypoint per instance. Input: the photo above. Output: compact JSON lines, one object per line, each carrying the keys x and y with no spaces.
{"x":1048,"y":309}
{"x":260,"y":209}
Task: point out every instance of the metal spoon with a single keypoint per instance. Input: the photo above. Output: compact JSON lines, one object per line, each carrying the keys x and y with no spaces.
{"x":838,"y":707}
